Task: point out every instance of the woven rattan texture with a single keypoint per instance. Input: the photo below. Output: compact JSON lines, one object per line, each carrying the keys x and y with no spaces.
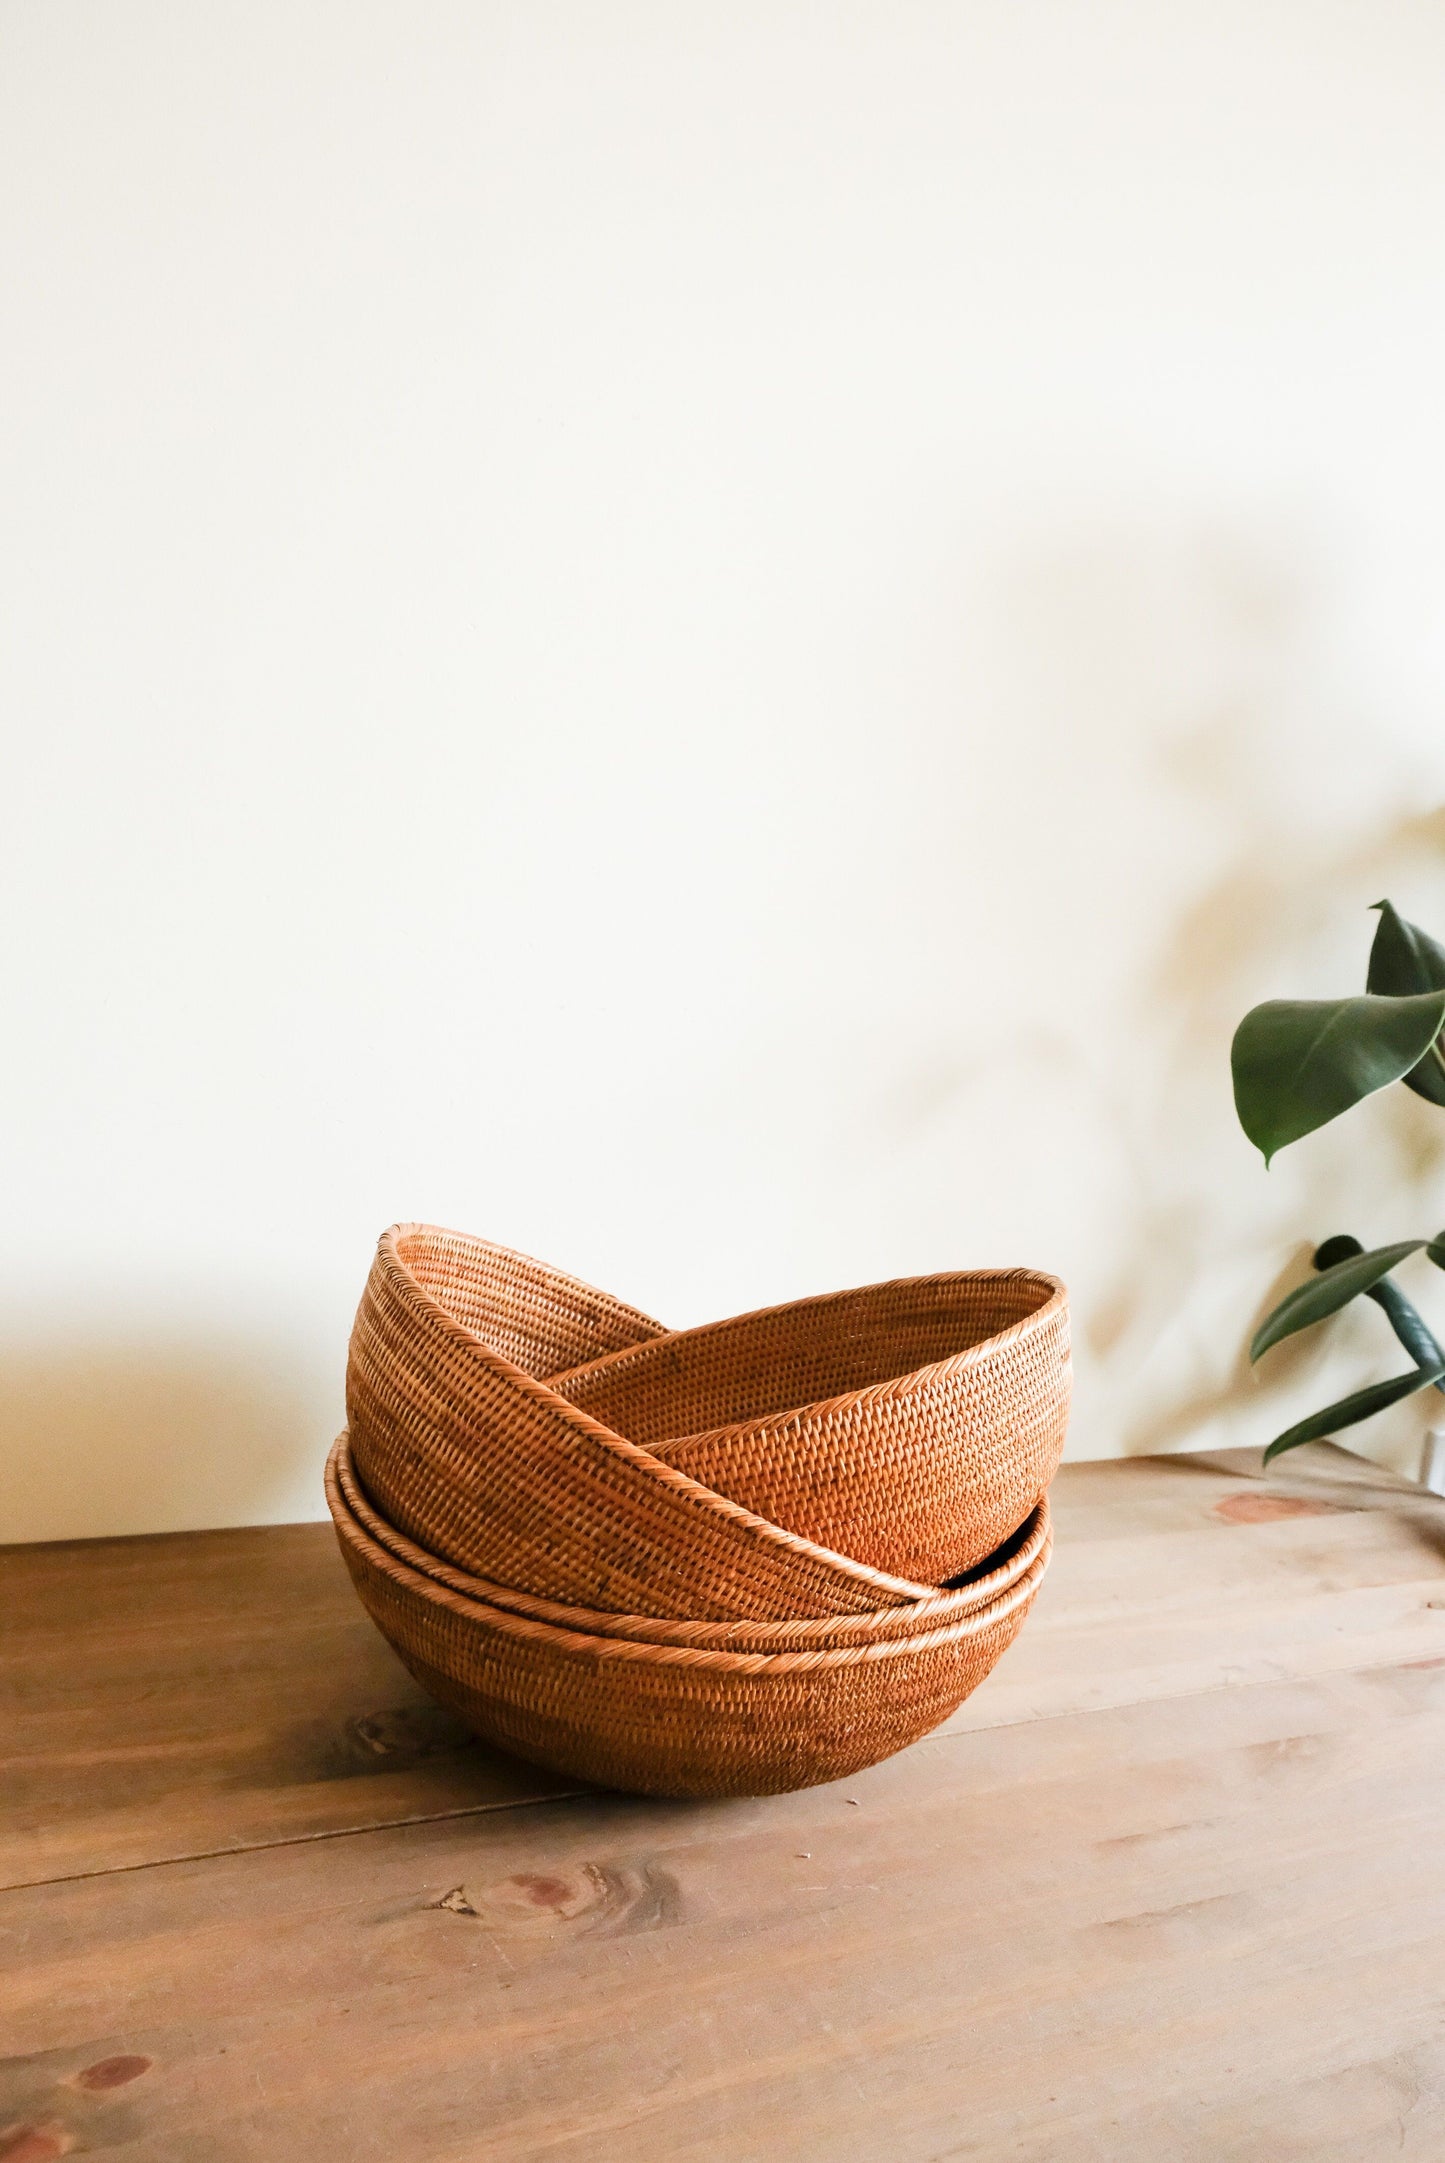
{"x":676,"y":1719}
{"x":998,"y":1575}
{"x":945,"y":1403}
{"x":488,"y":1465}
{"x":533,"y":1316}
{"x":481,"y":1462}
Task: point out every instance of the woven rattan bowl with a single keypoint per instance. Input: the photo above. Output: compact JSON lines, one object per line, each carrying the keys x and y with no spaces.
{"x":911,"y":1426}
{"x":834,"y":1457}
{"x":948,"y":1603}
{"x":681,"y":1718}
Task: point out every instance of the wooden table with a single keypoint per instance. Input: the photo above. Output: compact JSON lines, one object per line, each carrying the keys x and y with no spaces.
{"x":1171,"y":1885}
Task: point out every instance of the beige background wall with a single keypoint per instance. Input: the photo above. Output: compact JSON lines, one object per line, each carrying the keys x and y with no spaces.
{"x":720,"y":641}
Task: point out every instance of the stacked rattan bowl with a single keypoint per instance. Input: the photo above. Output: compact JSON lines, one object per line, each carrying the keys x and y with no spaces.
{"x":730,"y":1560}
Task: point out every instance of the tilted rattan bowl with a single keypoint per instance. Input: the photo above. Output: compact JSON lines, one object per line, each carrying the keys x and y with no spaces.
{"x":834,"y":1457}
{"x":947,"y":1603}
{"x":911,"y":1426}
{"x":684,"y":1718}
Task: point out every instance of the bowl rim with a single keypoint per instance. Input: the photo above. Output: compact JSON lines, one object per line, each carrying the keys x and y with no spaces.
{"x":940,"y":1602}
{"x":937,"y":1628}
{"x":690,"y":1492}
{"x":909,"y":1382}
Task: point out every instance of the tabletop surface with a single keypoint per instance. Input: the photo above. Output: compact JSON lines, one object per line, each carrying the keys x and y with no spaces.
{"x":1170,"y":1885}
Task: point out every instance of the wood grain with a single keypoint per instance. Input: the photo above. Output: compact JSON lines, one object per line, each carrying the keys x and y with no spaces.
{"x":1169,"y":1890}
{"x":200,"y":1691}
{"x":1179,"y":1574}
{"x":1205,"y":1927}
{"x":192,"y":1693}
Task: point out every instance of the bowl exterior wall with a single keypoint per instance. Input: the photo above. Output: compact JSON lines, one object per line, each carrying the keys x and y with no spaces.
{"x":668,"y":1721}
{"x":564,"y":1489}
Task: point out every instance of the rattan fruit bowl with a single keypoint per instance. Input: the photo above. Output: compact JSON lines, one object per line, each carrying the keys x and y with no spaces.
{"x":661,"y":1712}
{"x":837,"y":1456}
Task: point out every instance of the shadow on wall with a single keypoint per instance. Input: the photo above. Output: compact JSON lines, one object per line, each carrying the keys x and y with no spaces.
{"x":1254,"y":934}
{"x":110,"y":1433}
{"x":1307,"y":836}
{"x":1203,"y":802}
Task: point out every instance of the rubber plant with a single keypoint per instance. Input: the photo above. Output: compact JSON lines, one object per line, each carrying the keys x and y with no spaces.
{"x":1298,"y":1063}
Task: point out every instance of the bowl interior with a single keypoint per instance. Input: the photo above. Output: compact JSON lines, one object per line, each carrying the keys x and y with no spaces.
{"x":783,"y":1359}
{"x":534,"y":1316}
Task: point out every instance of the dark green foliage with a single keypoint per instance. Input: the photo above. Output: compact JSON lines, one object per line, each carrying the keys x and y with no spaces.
{"x":1351,"y":1410}
{"x":1325,"y":1294}
{"x":1405,"y":959}
{"x":1407,"y":1324}
{"x":1300,"y":1063}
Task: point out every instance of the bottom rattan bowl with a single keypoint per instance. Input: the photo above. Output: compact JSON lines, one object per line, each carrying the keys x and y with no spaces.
{"x":679,"y":1718}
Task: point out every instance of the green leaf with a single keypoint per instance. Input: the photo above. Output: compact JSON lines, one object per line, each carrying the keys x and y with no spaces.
{"x":1406,"y":1322}
{"x":1409,"y":1326}
{"x":1338,"y":1249}
{"x":1351,"y":1410}
{"x":1405,"y":959}
{"x":1298,"y":1063}
{"x":1329,"y":1291}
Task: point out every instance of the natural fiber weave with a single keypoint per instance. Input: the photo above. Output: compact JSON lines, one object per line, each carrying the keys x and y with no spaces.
{"x":944,"y":1402}
{"x":999,"y":1574}
{"x":676,"y":1719}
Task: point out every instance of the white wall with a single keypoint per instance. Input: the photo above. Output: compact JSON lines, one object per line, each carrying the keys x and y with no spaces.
{"x":721,"y":641}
